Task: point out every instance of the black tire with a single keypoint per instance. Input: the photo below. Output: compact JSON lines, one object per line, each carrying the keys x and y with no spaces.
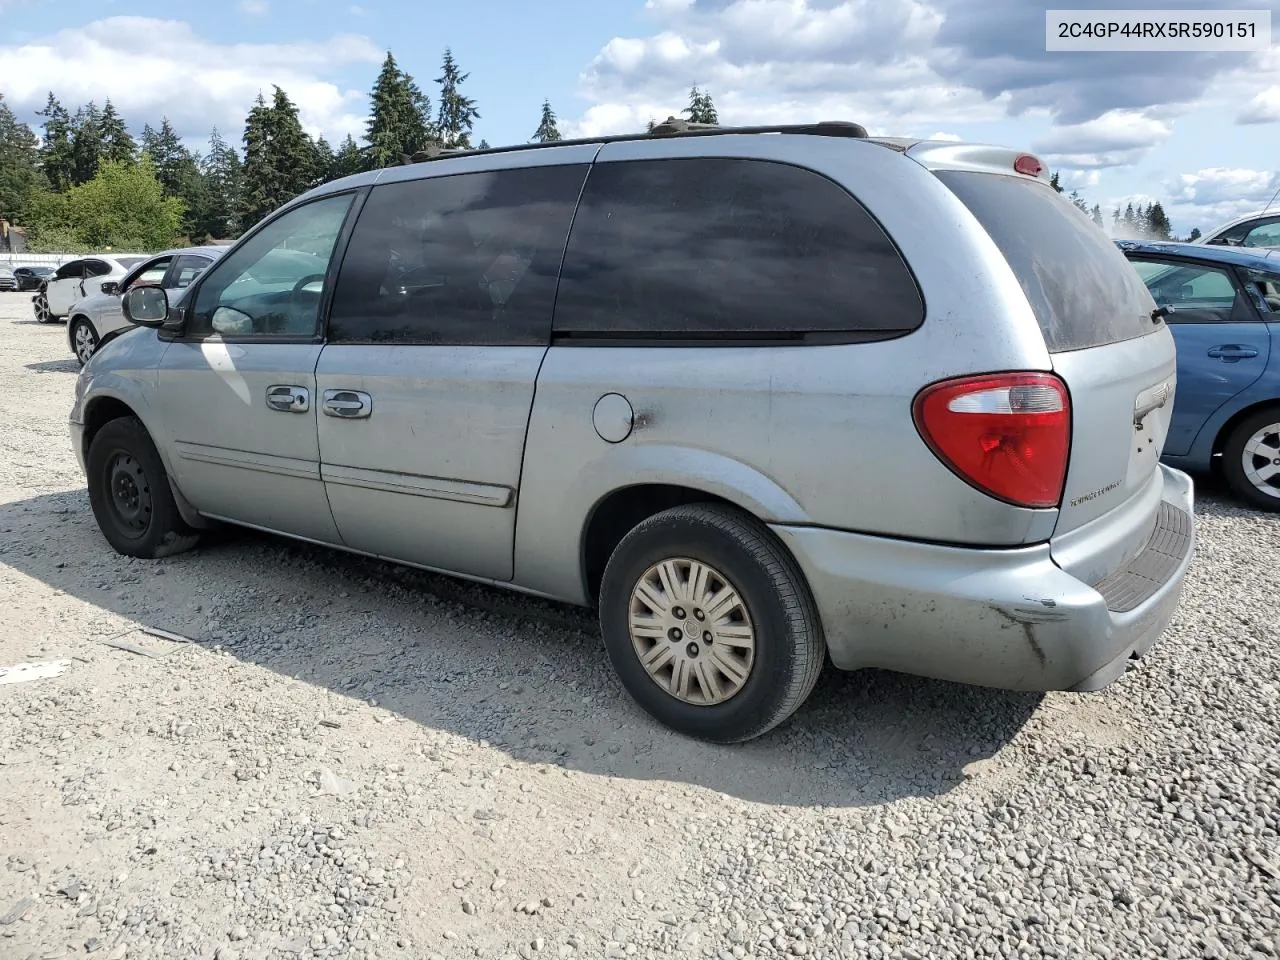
{"x":789,"y":649}
{"x":90,"y":341}
{"x":1233,"y":453}
{"x":122,"y":463}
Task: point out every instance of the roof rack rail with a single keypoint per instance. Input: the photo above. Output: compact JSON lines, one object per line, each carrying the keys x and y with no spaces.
{"x":671,"y":127}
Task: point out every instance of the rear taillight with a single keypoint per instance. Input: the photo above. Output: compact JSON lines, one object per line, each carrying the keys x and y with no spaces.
{"x":1008,"y":434}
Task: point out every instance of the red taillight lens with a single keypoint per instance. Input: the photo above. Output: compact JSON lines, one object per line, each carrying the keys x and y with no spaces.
{"x":1008,"y":434}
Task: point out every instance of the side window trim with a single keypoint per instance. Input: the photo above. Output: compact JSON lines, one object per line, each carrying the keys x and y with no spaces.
{"x":358,"y":195}
{"x":340,"y":247}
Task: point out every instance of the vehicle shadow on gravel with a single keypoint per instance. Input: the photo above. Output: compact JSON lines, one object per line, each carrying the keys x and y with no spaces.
{"x":528,"y":677}
{"x":54,"y":366}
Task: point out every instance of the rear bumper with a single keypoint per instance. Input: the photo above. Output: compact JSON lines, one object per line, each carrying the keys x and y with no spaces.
{"x":1011,"y":619}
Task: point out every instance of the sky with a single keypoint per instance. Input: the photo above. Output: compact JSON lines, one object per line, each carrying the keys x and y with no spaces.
{"x":1198,"y":131}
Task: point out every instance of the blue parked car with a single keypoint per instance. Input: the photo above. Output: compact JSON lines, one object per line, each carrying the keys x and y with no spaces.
{"x":1223,"y":308}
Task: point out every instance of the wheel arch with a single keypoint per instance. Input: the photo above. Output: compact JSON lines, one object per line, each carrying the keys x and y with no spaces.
{"x":1244,"y":413}
{"x":104,"y":408}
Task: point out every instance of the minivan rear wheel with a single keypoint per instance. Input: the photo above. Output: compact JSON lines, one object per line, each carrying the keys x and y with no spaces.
{"x":130,"y":496}
{"x":1251,"y":459}
{"x":709,"y":624}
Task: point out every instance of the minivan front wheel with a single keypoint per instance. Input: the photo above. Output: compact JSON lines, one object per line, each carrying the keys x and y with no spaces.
{"x":130,"y":496}
{"x":709,"y":624}
{"x":1251,"y":459}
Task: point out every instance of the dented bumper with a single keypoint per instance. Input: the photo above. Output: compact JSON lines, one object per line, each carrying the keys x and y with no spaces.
{"x":1012,"y":618}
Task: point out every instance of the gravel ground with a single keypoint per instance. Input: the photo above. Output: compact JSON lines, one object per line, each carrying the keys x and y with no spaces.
{"x":354,"y":760}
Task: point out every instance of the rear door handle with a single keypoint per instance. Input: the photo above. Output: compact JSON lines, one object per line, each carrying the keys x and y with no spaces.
{"x":347,"y":404}
{"x":288,"y":398}
{"x":1231,"y":352}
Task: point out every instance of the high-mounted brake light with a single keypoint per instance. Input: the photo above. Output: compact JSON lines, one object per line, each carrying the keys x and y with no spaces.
{"x":1027,"y":164}
{"x":1008,"y":434}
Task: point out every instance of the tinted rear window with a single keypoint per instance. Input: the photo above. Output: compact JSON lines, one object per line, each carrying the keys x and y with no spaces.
{"x":1083,"y":291}
{"x":714,"y":248}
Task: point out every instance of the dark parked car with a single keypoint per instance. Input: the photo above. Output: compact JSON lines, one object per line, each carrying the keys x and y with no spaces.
{"x":30,"y":278}
{"x":1223,"y":307}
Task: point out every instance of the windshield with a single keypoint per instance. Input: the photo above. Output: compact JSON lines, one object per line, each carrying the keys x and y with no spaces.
{"x":129,"y":262}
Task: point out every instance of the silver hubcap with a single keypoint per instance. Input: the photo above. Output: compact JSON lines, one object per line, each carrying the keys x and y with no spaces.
{"x":85,"y":342}
{"x":692,"y":631}
{"x":42,"y":309}
{"x":1261,"y":460}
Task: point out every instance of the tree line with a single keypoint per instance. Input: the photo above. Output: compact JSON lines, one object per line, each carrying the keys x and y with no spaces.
{"x":1133,"y":223}
{"x":85,"y":182}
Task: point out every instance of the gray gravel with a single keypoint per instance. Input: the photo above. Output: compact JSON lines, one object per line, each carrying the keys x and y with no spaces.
{"x":358,"y":761}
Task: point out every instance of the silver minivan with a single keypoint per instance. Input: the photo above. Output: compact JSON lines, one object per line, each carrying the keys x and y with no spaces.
{"x":766,"y":397}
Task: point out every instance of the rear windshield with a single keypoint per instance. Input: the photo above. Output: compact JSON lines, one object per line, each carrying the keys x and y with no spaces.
{"x":1082,"y":289}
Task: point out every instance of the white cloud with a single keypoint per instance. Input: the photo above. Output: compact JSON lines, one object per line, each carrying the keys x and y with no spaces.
{"x":774,"y":61}
{"x":1263,"y":108}
{"x":1118,"y":138}
{"x":195,"y":82}
{"x":1215,"y":195}
{"x":952,"y":137}
{"x":255,"y":8}
{"x":357,"y":11}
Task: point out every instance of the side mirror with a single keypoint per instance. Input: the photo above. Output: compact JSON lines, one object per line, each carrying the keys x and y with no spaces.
{"x":110,"y":288}
{"x":146,"y":306}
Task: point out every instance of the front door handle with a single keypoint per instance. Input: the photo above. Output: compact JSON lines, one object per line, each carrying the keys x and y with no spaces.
{"x":347,"y":404}
{"x":288,"y":398}
{"x":1231,"y":352}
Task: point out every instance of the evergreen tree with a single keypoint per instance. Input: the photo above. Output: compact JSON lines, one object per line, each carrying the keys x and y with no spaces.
{"x":400,"y":122}
{"x":1055,"y":182}
{"x":279,"y":158}
{"x":547,"y":131}
{"x":1078,"y":201}
{"x":324,"y":160}
{"x":86,"y":143}
{"x":484,"y":145}
{"x":701,"y":109}
{"x":117,"y":143}
{"x":457,"y":113}
{"x":1115,"y":218}
{"x":1194,"y":234}
{"x":347,"y":160}
{"x":217,"y":214}
{"x":1130,"y":218}
{"x":650,"y":125}
{"x":1158,"y":226}
{"x":1097,"y":215}
{"x":178,"y":170}
{"x":19,"y":165}
{"x":57,"y":159}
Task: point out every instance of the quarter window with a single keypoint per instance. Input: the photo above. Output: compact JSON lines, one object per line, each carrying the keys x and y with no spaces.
{"x":745,"y":249}
{"x":462,"y":259}
{"x":70,"y":271}
{"x":271,"y":285}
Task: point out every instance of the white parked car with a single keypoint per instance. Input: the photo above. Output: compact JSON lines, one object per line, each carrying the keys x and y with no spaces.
{"x":97,"y":317}
{"x":1254,"y":230}
{"x":76,"y":278}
